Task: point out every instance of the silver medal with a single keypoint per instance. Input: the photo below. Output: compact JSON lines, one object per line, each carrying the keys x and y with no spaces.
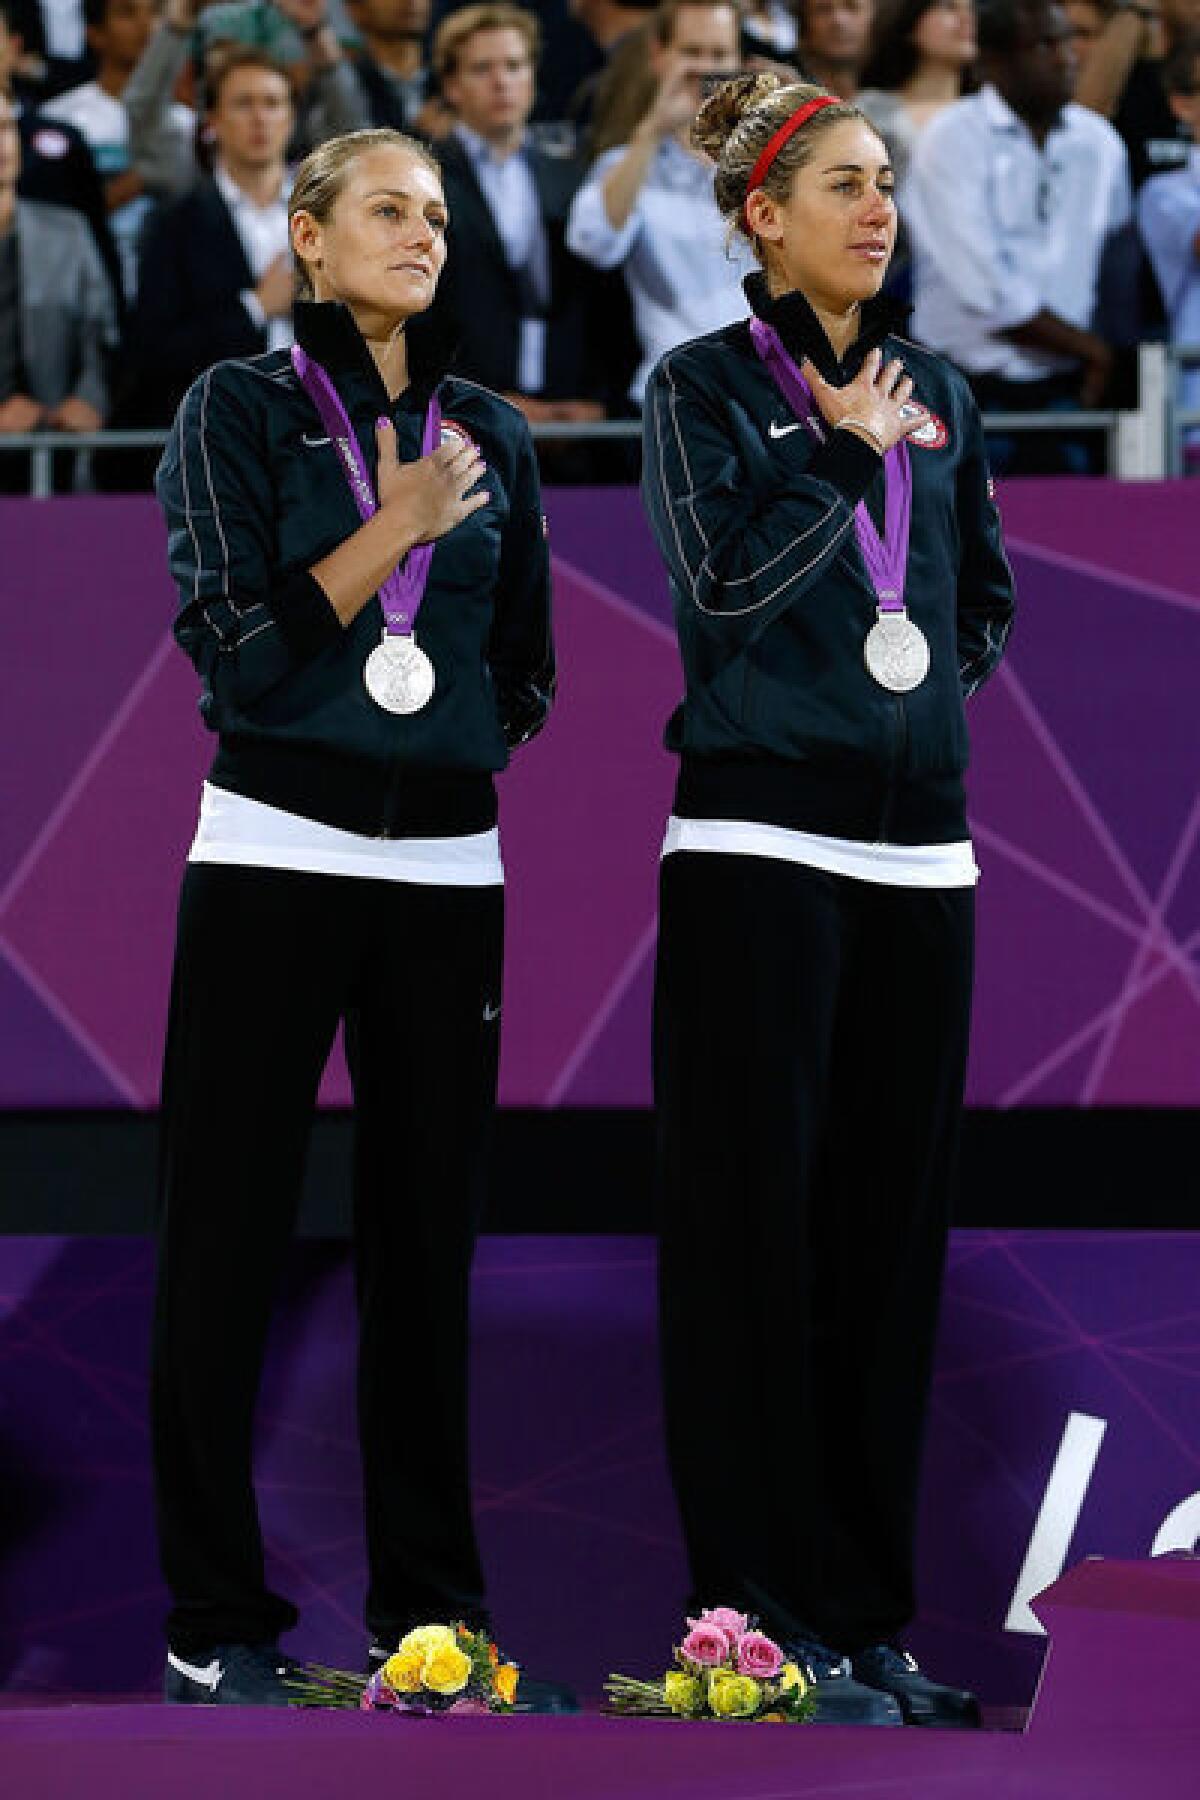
{"x":896,"y":652}
{"x":398,"y":675}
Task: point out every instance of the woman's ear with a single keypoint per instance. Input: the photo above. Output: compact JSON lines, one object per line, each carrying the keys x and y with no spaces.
{"x":307,"y":240}
{"x":762,"y":216}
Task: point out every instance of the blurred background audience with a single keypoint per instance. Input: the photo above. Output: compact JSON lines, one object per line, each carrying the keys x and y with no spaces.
{"x":584,"y":237}
{"x":57,"y":315}
{"x":1169,"y":220}
{"x":1015,"y":193}
{"x":921,"y":58}
{"x":526,"y":314}
{"x":646,"y":206}
{"x":835,"y":39}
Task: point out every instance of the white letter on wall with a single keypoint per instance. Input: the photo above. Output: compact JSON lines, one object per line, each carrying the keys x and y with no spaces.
{"x":1180,"y":1530}
{"x":1058,"y":1517}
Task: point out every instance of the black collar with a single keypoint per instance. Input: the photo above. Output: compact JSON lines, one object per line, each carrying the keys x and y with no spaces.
{"x":804,"y":335}
{"x":326,"y":330}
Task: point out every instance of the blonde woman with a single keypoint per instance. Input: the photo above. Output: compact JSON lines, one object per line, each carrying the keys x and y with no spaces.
{"x":364,"y":591}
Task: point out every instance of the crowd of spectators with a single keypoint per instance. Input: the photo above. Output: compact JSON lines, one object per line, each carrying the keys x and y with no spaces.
{"x":1047,"y":179}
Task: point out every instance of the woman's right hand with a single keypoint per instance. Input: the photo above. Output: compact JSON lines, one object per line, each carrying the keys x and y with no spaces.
{"x":878,"y":401}
{"x":429,"y":497}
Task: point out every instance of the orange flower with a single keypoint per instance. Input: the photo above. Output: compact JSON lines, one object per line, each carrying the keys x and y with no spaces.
{"x":506,"y":1678}
{"x":493,"y":1656}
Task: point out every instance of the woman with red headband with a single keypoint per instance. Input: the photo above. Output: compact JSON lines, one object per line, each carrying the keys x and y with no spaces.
{"x":819,"y":492}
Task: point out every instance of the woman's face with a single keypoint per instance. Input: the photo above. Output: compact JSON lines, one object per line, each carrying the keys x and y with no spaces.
{"x":834,"y":235}
{"x":384,"y":244}
{"x":945,"y":33}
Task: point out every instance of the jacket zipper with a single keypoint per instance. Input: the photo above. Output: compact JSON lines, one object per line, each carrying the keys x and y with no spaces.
{"x":895,"y":766}
{"x":391,"y":797}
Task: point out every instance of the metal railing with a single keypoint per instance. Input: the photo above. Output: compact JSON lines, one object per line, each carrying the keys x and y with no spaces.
{"x":1180,"y":357}
{"x":1142,"y":443}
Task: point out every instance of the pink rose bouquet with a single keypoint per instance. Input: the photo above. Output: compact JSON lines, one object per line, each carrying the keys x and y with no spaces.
{"x":725,"y":1668}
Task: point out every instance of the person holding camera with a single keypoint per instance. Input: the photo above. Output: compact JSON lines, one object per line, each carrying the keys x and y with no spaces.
{"x":646,"y":206}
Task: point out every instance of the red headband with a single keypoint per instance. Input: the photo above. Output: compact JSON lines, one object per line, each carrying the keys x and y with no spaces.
{"x":789,"y":127}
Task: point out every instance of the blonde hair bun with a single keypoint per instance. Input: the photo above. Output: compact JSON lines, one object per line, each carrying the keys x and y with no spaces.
{"x":725,"y":108}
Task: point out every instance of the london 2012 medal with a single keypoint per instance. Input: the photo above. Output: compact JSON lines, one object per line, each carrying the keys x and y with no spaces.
{"x":398,"y":675}
{"x":896,"y":652}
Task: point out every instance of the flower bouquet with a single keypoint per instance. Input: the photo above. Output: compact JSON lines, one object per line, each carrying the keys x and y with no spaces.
{"x":436,"y":1669}
{"x":724,"y":1669}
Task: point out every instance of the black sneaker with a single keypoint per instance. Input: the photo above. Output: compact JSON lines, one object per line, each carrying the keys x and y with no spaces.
{"x":922,"y":1701}
{"x":840,"y":1699}
{"x":230,"y":1675}
{"x":532,"y":1696}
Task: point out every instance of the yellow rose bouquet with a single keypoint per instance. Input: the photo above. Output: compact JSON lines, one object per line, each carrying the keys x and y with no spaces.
{"x":724,"y":1669}
{"x":435,"y":1669}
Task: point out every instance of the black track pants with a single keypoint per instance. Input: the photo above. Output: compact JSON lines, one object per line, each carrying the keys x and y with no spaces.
{"x":810,"y":1043}
{"x":267,"y":963}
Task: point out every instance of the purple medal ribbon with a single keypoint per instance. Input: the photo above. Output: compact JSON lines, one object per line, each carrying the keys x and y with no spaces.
{"x":886,"y":557}
{"x":400,"y":595}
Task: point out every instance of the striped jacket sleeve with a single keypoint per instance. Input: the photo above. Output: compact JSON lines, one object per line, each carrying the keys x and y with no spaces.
{"x":245,"y":626}
{"x":741,"y":555}
{"x":985,"y":580}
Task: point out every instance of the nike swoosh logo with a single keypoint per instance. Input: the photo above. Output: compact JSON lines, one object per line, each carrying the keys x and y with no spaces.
{"x":208,"y":1677}
{"x":314,"y":443}
{"x":778,"y":431}
{"x":490,"y":1012}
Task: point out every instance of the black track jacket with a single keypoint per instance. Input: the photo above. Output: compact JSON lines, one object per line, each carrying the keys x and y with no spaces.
{"x":780,"y":722}
{"x":254,"y":493}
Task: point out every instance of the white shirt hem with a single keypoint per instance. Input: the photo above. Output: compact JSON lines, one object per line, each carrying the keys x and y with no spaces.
{"x":235,"y":830}
{"x":889,"y":865}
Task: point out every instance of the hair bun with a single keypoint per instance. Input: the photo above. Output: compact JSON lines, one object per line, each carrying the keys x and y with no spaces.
{"x":723,"y":111}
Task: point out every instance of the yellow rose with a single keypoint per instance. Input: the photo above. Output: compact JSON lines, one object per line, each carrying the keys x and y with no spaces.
{"x":681,"y":1692}
{"x":402,"y":1672}
{"x":506,"y":1678}
{"x":790,"y":1676}
{"x":732,"y":1696}
{"x":428,"y":1637}
{"x":447,"y":1670}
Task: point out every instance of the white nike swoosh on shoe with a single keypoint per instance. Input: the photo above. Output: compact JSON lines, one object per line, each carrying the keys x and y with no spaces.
{"x":778,"y":431}
{"x":313,"y":443}
{"x":208,"y":1677}
{"x":490,"y":1012}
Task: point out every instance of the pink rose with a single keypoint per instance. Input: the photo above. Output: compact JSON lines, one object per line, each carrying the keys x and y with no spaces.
{"x":705,"y":1645}
{"x":758,"y":1655}
{"x":733,"y":1624}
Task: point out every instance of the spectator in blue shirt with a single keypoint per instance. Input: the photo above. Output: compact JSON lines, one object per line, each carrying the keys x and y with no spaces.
{"x":1169,"y":221}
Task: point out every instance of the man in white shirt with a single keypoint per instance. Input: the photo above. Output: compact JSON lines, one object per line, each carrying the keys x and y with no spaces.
{"x":117,"y":34}
{"x":1169,"y":221}
{"x":647,"y":207}
{"x":216,"y":272}
{"x":1013,"y":195}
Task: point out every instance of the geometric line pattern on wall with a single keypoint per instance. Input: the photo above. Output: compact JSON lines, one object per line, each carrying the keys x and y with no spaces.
{"x":1083,"y":792}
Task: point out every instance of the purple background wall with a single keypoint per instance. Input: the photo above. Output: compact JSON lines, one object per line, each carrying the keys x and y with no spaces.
{"x":575,"y":1514}
{"x":1085,"y":794}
